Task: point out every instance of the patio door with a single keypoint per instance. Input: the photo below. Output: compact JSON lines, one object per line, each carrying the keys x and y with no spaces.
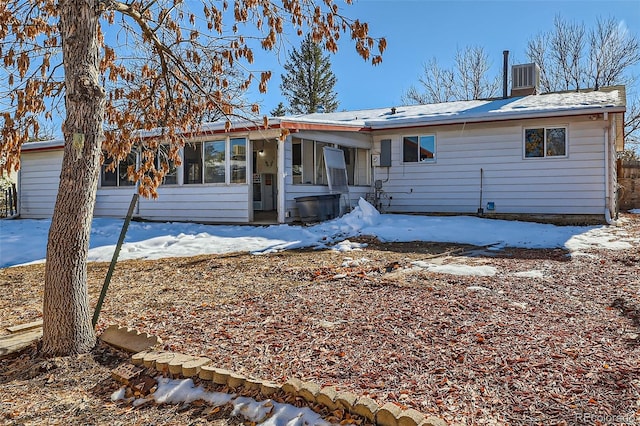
{"x":264,"y":180}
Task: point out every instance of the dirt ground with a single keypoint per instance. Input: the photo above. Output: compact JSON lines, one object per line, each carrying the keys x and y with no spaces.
{"x":534,"y":337}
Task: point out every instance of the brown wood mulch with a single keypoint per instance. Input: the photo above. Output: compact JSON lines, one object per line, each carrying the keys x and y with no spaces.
{"x":558,"y":346}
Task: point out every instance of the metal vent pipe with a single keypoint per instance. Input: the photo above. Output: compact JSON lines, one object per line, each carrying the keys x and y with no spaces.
{"x":505,"y":74}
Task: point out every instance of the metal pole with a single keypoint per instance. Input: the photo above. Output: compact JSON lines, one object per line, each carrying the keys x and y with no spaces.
{"x":114,"y":259}
{"x":480,"y":208}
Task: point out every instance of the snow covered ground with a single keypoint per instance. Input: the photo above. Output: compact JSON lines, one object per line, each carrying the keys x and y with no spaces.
{"x":24,"y":240}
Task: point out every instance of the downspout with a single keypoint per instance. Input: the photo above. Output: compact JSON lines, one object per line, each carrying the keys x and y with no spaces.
{"x":480,"y":209}
{"x":282,"y":173}
{"x":607,"y":213}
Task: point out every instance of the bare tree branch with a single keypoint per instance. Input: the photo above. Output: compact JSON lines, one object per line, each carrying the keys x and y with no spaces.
{"x":613,"y":50}
{"x":468,"y":80}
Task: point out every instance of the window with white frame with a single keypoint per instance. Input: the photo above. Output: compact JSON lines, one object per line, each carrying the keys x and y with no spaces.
{"x":214,"y":161}
{"x":544,"y":142}
{"x":419,"y":149}
{"x":208,"y":162}
{"x":308,"y":163}
{"x":238,"y":164}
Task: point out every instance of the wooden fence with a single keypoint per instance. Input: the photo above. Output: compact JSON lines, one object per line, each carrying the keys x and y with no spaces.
{"x":629,"y":184}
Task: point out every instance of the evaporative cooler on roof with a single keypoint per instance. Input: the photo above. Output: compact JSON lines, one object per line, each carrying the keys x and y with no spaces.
{"x":525,"y":79}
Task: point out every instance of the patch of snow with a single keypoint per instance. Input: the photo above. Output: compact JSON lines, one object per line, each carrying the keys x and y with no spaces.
{"x":174,"y":391}
{"x":252,"y":410}
{"x":268,"y":412}
{"x":457,"y":269}
{"x":606,"y":237}
{"x":534,"y":273}
{"x":347,"y":245}
{"x":118,"y":395}
{"x":329,"y":324}
{"x":583,"y":254}
{"x":350,"y":262}
{"x":478,"y":288}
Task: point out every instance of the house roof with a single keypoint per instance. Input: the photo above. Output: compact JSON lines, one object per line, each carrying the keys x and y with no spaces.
{"x":610,"y":99}
{"x":607,"y":99}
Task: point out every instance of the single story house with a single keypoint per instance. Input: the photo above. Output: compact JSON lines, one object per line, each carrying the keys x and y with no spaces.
{"x":529,"y":156}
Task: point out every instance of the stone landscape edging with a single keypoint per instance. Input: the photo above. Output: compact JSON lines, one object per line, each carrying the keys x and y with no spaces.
{"x":188,"y":366}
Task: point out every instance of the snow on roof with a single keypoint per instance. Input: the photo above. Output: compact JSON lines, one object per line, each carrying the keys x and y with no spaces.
{"x":566,"y":103}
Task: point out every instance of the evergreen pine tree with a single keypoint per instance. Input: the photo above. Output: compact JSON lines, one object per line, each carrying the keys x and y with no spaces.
{"x":278,"y":111}
{"x":309,"y":81}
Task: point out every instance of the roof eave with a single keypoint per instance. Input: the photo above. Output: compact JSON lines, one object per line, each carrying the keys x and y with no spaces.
{"x":410,"y":123}
{"x":42,"y":146}
{"x":305,"y":125}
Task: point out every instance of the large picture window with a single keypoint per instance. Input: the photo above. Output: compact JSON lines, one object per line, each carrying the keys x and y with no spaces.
{"x":308,"y":163}
{"x":419,"y":149}
{"x":202,"y":162}
{"x":545,"y":142}
{"x":208,"y":162}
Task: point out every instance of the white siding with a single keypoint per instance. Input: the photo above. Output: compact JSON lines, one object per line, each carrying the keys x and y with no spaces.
{"x":39,"y":178}
{"x":571,"y":185}
{"x":114,"y":202}
{"x":192,"y":203}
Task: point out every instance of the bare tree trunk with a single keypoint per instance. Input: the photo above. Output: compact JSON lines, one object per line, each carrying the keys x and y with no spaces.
{"x":67,"y":320}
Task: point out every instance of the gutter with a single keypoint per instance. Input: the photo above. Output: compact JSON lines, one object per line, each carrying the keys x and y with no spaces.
{"x":607,"y":212}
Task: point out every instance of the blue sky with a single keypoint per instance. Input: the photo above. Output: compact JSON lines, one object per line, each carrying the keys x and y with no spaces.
{"x":418,"y":30}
